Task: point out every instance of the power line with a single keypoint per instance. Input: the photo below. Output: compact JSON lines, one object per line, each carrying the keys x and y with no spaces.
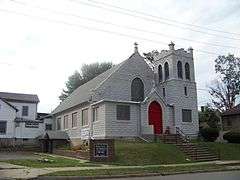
{"x":92,"y":28}
{"x":158,"y":17}
{"x":117,"y":25}
{"x":153,"y":20}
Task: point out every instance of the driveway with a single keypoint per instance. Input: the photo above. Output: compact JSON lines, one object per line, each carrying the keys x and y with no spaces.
{"x":17,"y":155}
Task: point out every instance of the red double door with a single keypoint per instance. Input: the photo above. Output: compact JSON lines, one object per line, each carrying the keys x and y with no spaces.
{"x":155,"y":117}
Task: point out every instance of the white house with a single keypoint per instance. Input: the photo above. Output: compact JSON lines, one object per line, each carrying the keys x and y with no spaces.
{"x":134,"y":98}
{"x":19,"y":121}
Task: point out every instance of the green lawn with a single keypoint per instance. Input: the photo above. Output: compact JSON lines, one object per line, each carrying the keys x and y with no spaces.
{"x":147,"y":153}
{"x":228,"y":151}
{"x":141,"y":171}
{"x":53,"y":161}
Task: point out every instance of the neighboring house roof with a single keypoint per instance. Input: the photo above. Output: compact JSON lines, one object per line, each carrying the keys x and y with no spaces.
{"x":234,"y":111}
{"x":19,"y":97}
{"x":9,"y":104}
{"x":43,"y":115}
{"x":83,"y":93}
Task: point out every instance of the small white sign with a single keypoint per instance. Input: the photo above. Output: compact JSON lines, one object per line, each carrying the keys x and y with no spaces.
{"x":85,"y":133}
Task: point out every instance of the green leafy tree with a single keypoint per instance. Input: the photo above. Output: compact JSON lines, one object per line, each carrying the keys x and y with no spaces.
{"x":226,"y":89}
{"x":87,"y":72}
{"x":208,"y":116}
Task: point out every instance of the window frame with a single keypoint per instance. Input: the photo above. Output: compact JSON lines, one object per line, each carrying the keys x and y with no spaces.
{"x":95,"y":114}
{"x":166,"y":71}
{"x":160,"y":73}
{"x":137,"y":82}
{"x":65,"y":121}
{"x":187,"y":71}
{"x":183,"y":117}
{"x":185,"y":91}
{"x":179,"y":70}
{"x":84,"y":121}
{"x":59,"y":126}
{"x":74,"y":124}
{"x":48,"y":129}
{"x":5,"y":129}
{"x":123,"y":117}
{"x":25,"y":111}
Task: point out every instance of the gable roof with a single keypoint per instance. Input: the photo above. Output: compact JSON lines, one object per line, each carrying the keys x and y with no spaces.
{"x":83,"y":93}
{"x":19,"y":97}
{"x":9,"y":104}
{"x":234,"y":111}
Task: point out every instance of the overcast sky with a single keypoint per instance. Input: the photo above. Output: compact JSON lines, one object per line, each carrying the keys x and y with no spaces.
{"x":42,"y":42}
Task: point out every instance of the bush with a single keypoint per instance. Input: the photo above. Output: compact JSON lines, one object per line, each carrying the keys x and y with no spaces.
{"x":232,"y":136}
{"x":209,"y":134}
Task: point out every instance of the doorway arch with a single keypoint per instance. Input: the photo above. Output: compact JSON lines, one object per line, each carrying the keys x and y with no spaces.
{"x":155,"y":117}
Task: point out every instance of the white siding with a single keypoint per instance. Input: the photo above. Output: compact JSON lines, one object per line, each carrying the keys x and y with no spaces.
{"x":32,"y":109}
{"x":8,"y":114}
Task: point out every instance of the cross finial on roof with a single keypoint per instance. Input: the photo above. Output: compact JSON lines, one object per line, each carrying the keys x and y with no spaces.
{"x":135,"y":47}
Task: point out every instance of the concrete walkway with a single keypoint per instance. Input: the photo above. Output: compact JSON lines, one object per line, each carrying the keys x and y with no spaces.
{"x":21,"y":172}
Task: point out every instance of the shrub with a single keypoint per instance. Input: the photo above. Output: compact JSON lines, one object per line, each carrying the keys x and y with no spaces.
{"x":232,"y":136}
{"x":209,"y":134}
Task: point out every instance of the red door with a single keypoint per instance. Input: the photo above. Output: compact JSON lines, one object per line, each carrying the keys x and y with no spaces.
{"x":155,"y":117}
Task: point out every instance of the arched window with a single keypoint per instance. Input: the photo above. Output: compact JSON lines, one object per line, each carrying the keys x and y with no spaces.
{"x":187,"y":71}
{"x":179,"y":69}
{"x":137,"y":90}
{"x":160,"y":73}
{"x":166,"y":70}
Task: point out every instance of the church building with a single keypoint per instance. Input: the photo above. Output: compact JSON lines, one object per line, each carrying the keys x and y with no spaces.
{"x":134,"y":98}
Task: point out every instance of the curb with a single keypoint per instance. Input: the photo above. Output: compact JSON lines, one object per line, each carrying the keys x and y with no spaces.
{"x":131,"y":175}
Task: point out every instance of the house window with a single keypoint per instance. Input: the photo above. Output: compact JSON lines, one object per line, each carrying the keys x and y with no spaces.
{"x":95,"y":114}
{"x":166,"y":70}
{"x":160,"y":73}
{"x":65,"y":122}
{"x":179,"y":69}
{"x":137,"y":90}
{"x":25,"y":111}
{"x":187,"y":71}
{"x":185,"y":91}
{"x":85,"y":117}
{"x":229,"y":122}
{"x":58,"y":123}
{"x":48,"y":127}
{"x":164,"y":92}
{"x":186,"y":115}
{"x":3,"y":127}
{"x":74,"y":119}
{"x":123,"y":112}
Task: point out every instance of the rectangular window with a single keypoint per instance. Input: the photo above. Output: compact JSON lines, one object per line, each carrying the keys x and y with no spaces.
{"x":58,"y":123}
{"x":3,"y":127}
{"x":186,"y":115}
{"x":84,"y":117}
{"x":123,"y":112}
{"x":185,"y":91}
{"x":74,"y":119}
{"x":65,"y":122}
{"x":95,"y":114}
{"x":164,"y":92}
{"x":25,"y":111}
{"x":48,"y":127}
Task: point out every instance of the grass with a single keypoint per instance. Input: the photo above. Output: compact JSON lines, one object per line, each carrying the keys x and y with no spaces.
{"x":141,"y":171}
{"x":228,"y":151}
{"x":147,"y":153}
{"x":53,"y":161}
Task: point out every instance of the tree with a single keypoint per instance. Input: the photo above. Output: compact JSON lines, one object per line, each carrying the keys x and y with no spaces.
{"x":87,"y":72}
{"x":208,"y":117}
{"x":226,"y":89}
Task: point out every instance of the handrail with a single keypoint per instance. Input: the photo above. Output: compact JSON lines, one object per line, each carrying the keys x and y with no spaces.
{"x":182,"y":134}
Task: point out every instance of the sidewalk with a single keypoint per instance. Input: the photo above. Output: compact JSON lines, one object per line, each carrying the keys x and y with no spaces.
{"x":21,"y":172}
